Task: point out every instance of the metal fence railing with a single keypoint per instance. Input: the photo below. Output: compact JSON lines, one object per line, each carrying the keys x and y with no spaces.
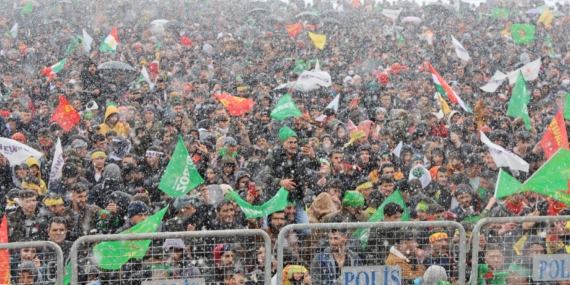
{"x":46,"y":255}
{"x":206,"y":256}
{"x":521,"y":250}
{"x":370,"y":244}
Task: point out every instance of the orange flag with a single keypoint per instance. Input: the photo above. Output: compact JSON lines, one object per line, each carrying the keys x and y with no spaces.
{"x":65,"y":115}
{"x":4,"y":254}
{"x":355,"y":3}
{"x":237,"y":106}
{"x":555,"y":136}
{"x":294,"y":29}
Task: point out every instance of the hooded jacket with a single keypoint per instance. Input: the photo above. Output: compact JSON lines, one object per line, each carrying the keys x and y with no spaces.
{"x":110,"y":181}
{"x":323,"y":269}
{"x":31,"y":162}
{"x":120,"y":128}
{"x":182,"y":268}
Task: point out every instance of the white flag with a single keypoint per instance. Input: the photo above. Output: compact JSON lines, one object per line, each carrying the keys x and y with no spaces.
{"x":145,"y":75}
{"x":17,"y":152}
{"x":334,"y":103}
{"x":398,"y":149}
{"x":459,"y":49}
{"x":421,"y":173}
{"x":392,"y":14}
{"x":14,"y":31}
{"x":56,"y":163}
{"x":494,"y":82}
{"x":529,"y":72}
{"x":503,"y":157}
{"x":87,"y":40}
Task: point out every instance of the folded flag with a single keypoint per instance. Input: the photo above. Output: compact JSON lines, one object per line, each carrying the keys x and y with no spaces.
{"x":277,"y":203}
{"x":503,"y":157}
{"x":444,"y":89}
{"x":65,"y":115}
{"x":236,"y":106}
{"x":555,"y":136}
{"x":519,"y":101}
{"x":111,"y":255}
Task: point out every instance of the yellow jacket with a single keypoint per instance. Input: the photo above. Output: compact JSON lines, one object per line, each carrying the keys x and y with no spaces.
{"x":409,"y":271}
{"x":43,"y":187}
{"x":120,"y":128}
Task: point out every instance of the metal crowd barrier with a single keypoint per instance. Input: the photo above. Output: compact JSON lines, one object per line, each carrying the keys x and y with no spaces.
{"x":159,"y":264}
{"x":380,"y":239}
{"x":51,"y":257}
{"x":520,"y":250}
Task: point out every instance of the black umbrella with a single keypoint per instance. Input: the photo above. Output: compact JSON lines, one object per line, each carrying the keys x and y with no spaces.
{"x":330,"y":21}
{"x":307,"y":14}
{"x":110,"y":69}
{"x":274,"y":18}
{"x":257,"y":10}
{"x":436,"y":8}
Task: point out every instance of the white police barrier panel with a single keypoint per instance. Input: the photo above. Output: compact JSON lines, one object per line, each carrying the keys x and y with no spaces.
{"x":371,"y":249}
{"x":193,"y":281}
{"x":372,"y":275}
{"x":508,"y":247}
{"x":551,"y":267}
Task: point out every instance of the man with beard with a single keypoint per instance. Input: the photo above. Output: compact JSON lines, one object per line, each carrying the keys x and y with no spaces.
{"x":276,"y":221}
{"x":326,"y":267}
{"x":438,"y":255}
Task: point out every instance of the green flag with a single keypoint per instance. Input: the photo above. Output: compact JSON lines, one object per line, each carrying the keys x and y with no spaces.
{"x":500,"y":13}
{"x":549,"y":44}
{"x":552,"y":178}
{"x":277,"y":203}
{"x":180,"y":175}
{"x":314,"y":10}
{"x":506,"y":185}
{"x":396,"y":197}
{"x":286,"y":107}
{"x":400,"y":40}
{"x":519,"y":101}
{"x":567,"y":107}
{"x":111,"y":255}
{"x":71,"y":46}
{"x":522,"y":33}
{"x":67,"y":277}
{"x":29,"y":8}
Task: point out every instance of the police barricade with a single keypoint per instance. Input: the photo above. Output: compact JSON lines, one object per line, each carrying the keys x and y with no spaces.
{"x":195,"y":257}
{"x":371,"y":253}
{"x":520,"y":250}
{"x":47,"y":257}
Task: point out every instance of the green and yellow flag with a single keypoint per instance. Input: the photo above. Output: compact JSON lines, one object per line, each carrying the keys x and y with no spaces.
{"x":111,"y":255}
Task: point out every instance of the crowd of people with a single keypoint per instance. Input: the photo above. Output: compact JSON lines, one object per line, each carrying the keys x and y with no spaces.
{"x":116,"y":155}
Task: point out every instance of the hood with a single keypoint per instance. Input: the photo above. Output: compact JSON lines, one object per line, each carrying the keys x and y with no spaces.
{"x":216,"y":194}
{"x":112,"y":171}
{"x":173,"y":243}
{"x":449,"y":116}
{"x":31,"y":161}
{"x":433,"y":275}
{"x":110,"y":110}
{"x":322,"y":206}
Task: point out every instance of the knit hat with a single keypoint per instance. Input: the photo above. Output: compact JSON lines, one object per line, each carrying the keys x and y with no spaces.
{"x":285,"y":133}
{"x":353,"y":199}
{"x":183,"y":201}
{"x":219,"y":251}
{"x":19,"y":137}
{"x":136,"y":207}
{"x":88,"y":115}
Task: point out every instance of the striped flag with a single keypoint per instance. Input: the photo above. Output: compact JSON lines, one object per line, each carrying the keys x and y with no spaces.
{"x":444,"y":89}
{"x":52,"y":70}
{"x":111,"y":41}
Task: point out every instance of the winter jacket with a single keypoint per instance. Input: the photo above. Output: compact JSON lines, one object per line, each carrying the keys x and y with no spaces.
{"x":57,"y":186}
{"x":284,"y":166}
{"x":110,"y":181}
{"x":31,"y":162}
{"x":120,"y":128}
{"x":19,"y":228}
{"x":87,"y":219}
{"x":323,"y":269}
{"x":410,"y":268}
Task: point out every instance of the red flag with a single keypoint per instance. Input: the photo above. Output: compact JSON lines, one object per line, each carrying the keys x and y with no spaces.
{"x":555,"y":136}
{"x":293,"y":29}
{"x":185,"y":41}
{"x":153,"y":70}
{"x":310,"y":27}
{"x":237,"y":106}
{"x":4,"y":254}
{"x":65,"y":115}
{"x":355,"y":3}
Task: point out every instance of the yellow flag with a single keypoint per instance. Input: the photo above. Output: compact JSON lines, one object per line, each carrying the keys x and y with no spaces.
{"x":444,"y":106}
{"x":319,"y":40}
{"x":546,"y":17}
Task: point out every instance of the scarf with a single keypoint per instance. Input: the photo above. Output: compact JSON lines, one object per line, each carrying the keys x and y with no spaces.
{"x":514,"y":208}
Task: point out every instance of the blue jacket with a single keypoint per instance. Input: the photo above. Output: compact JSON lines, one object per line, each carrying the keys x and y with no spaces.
{"x":323,"y":270}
